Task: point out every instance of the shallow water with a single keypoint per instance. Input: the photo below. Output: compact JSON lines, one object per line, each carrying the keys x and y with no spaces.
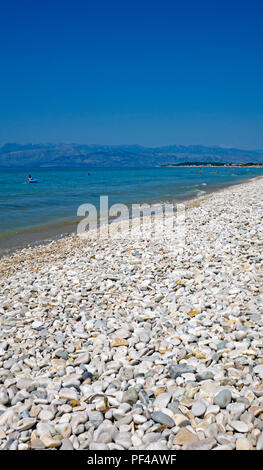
{"x":31,"y":212}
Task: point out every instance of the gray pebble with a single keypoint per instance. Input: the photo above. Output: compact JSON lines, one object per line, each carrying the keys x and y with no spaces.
{"x":163,"y":418}
{"x":223,"y":398}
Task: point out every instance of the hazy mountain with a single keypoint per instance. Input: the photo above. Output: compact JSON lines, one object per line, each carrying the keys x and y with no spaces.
{"x":81,"y":155}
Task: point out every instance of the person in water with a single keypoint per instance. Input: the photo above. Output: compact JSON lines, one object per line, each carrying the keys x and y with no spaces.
{"x":29,"y":178}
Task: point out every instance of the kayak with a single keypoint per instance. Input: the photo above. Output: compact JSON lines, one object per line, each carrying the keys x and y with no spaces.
{"x":32,"y":181}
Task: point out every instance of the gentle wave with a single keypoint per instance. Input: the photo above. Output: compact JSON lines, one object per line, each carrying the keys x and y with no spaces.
{"x":200,"y":193}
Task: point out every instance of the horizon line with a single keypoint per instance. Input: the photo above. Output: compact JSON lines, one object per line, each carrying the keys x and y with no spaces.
{"x":221,"y":146}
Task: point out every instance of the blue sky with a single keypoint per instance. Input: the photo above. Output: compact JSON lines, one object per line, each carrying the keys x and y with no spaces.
{"x":146,"y":72}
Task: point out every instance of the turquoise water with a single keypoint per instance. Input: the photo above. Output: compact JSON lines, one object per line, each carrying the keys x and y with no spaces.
{"x":54,"y":200}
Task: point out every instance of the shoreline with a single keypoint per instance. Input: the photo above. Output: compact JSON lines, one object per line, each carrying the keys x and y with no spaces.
{"x":50,"y":232}
{"x":211,"y":166}
{"x":46,"y":250}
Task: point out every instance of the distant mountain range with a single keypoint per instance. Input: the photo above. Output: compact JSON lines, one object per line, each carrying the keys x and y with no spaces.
{"x":29,"y":156}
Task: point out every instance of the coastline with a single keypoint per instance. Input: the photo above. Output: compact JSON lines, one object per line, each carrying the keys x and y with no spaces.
{"x":45,"y":251}
{"x":133,"y":344}
{"x":44,"y":235}
{"x":210,"y":166}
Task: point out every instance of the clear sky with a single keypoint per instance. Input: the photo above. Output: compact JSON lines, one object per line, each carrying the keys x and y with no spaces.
{"x":146,"y":72}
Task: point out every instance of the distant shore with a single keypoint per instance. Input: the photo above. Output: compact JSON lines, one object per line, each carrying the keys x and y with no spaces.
{"x":210,"y":166}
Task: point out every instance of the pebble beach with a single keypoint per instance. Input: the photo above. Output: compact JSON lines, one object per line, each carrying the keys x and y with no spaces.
{"x":116,"y":344}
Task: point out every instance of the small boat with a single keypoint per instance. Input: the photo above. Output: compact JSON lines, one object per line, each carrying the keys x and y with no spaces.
{"x":32,"y":181}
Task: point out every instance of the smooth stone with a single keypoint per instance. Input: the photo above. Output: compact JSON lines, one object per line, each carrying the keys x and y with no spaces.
{"x":198,"y":408}
{"x":45,"y":428}
{"x":24,"y":384}
{"x":26,"y":423}
{"x":206,"y":375}
{"x":98,"y":446}
{"x":259,"y":445}
{"x":184,"y":436}
{"x":143,"y":397}
{"x":66,"y":445}
{"x":150,"y":437}
{"x":225,"y":439}
{"x":123,"y":421}
{"x":46,"y":415}
{"x":224,"y":447}
{"x":139,"y":419}
{"x":239,"y":426}
{"x":213,"y":409}
{"x":259,"y":370}
{"x":203,"y":444}
{"x":104,"y":438}
{"x":136,"y":441}
{"x":114,"y":446}
{"x":64,"y":429}
{"x":243,"y":444}
{"x":4,"y":398}
{"x":236,"y":409}
{"x":82,"y":359}
{"x":95,"y":417}
{"x":162,"y":400}
{"x":12,"y":444}
{"x":247,"y":417}
{"x":50,"y":442}
{"x":256,"y":410}
{"x":223,"y":398}
{"x":162,"y":418}
{"x":2,"y":434}
{"x":7,"y":417}
{"x":211,"y":431}
{"x":87,"y":375}
{"x":180,"y":420}
{"x":68,"y":394}
{"x":160,"y":445}
{"x":34,"y":411}
{"x":176,"y":370}
{"x":62,"y":354}
{"x":122,"y":333}
{"x":130,"y":396}
{"x":222,"y":345}
{"x":123,"y":439}
{"x":37,"y":444}
{"x":100,"y":324}
{"x":117,"y":342}
{"x":257,"y":318}
{"x":127,"y":373}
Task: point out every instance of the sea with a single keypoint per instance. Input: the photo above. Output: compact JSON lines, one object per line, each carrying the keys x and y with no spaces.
{"x":33,"y":213}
